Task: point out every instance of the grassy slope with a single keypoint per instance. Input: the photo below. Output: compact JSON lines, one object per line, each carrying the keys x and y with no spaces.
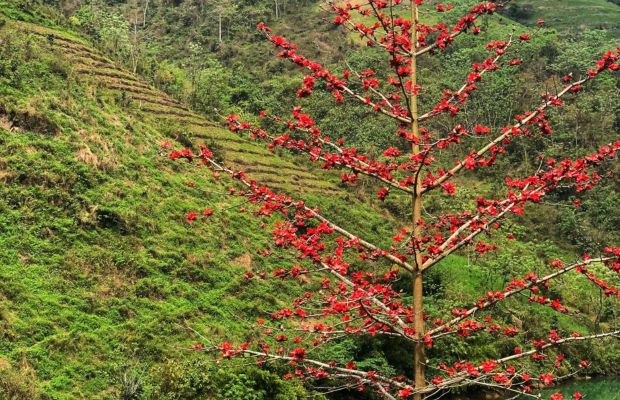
{"x":99,"y":268}
{"x":574,"y":15}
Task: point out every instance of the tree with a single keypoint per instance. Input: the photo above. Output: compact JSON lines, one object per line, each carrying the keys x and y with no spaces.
{"x":145,"y":11}
{"x":224,"y":11}
{"x":355,"y":292}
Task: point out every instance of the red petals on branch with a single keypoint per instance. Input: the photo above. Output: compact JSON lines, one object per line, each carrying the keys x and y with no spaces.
{"x":391,"y":152}
{"x":470,"y":162}
{"x":191,"y":217}
{"x":185,"y":153}
{"x":482,"y":130}
{"x":382,"y":193}
{"x":546,"y":379}
{"x":306,"y":89}
{"x":608,"y":61}
{"x":298,"y":353}
{"x":488,"y":366}
{"x":448,"y":188}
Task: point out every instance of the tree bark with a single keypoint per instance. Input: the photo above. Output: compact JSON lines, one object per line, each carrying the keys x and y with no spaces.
{"x":416,"y":200}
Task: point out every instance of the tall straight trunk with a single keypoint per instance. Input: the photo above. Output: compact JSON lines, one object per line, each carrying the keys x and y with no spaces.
{"x":146,"y":8}
{"x":220,"y":29}
{"x":419,"y":359}
{"x":134,"y":46}
{"x":277,"y":10}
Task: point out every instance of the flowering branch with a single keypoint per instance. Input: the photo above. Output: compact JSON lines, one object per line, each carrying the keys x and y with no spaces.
{"x":345,"y":298}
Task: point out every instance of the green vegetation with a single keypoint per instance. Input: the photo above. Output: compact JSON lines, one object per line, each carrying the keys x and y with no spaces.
{"x":104,"y":285}
{"x":573,"y":15}
{"x":598,"y":389}
{"x":100,"y":272}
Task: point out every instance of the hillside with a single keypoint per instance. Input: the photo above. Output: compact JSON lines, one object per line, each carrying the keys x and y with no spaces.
{"x":104,"y":284}
{"x":569,"y":16}
{"x":137,"y":96}
{"x":102,"y":276}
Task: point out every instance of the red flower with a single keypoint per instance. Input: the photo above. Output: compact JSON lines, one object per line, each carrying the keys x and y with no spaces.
{"x":437,"y":380}
{"x":489,"y":366}
{"x":191,"y":216}
{"x":207,"y":212}
{"x":382,"y":193}
{"x":185,"y":153}
{"x":584,"y":364}
{"x":391,"y":152}
{"x":428,"y":340}
{"x":232,"y":118}
{"x":546,"y":379}
{"x":298,"y":353}
{"x":470,"y":162}
{"x":448,"y":188}
{"x":482,"y":130}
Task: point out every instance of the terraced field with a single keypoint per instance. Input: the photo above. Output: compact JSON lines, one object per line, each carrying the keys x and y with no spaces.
{"x":278,"y":172}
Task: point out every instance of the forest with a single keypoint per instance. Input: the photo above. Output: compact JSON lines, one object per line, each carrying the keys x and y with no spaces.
{"x":309,"y":199}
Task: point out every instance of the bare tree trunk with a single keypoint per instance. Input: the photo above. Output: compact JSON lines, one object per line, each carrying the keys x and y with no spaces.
{"x":146,"y":7}
{"x":134,"y":46}
{"x":419,"y":359}
{"x":220,"y":28}
{"x":277,"y":10}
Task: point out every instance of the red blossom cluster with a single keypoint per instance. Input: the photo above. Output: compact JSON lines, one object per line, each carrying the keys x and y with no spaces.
{"x":354,"y":302}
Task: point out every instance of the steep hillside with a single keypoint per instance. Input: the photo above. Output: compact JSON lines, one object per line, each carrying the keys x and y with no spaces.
{"x":137,"y":96}
{"x":570,"y":16}
{"x":102,"y":280}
